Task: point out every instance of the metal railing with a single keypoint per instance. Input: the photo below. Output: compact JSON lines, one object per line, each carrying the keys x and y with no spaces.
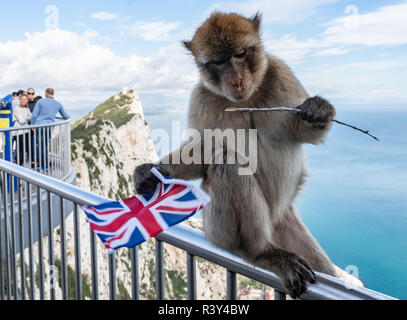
{"x":43,"y":148}
{"x":190,"y":240}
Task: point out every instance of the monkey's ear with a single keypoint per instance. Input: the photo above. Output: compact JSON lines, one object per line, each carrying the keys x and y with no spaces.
{"x":187,"y":44}
{"x":256,"y":21}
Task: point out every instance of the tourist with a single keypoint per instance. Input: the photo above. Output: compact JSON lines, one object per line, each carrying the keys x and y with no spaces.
{"x":45,"y":112}
{"x":21,"y":117}
{"x":31,"y":100}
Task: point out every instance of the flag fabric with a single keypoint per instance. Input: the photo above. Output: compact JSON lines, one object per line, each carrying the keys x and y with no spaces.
{"x":129,"y":222}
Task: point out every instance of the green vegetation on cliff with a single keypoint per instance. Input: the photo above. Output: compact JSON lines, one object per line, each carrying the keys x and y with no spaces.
{"x":114,"y":109}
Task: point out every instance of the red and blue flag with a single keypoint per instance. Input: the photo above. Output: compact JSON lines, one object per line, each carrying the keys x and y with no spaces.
{"x":129,"y":222}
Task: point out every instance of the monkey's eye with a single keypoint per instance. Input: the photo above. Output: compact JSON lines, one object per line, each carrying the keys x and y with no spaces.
{"x":219,"y":62}
{"x":240,"y":54}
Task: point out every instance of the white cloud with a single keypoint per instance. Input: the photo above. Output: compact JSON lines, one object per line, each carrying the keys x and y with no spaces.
{"x":105,"y":16}
{"x":331,"y":52}
{"x":287,"y":11}
{"x":385,"y":26}
{"x":358,"y":81}
{"x":82,"y":71}
{"x":291,"y":49}
{"x":151,"y":30}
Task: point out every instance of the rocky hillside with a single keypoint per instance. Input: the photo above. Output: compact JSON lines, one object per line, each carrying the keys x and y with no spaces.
{"x":108,"y":143}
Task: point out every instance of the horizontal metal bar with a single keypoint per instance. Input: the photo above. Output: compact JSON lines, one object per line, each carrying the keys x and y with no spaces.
{"x":56,"y":123}
{"x":53,"y":185}
{"x":194,"y":242}
{"x":325,"y":288}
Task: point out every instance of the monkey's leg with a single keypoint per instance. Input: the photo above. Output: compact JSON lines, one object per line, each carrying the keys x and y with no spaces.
{"x":291,"y":234}
{"x":238,"y":220}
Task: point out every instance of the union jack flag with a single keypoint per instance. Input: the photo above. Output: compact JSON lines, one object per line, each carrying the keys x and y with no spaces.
{"x":129,"y":222}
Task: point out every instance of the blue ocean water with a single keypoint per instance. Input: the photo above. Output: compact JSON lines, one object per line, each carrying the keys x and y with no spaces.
{"x":355,"y":199}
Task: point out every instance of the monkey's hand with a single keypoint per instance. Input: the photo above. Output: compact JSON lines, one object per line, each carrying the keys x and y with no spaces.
{"x":144,"y":180}
{"x":293,"y":271}
{"x":317,"y":111}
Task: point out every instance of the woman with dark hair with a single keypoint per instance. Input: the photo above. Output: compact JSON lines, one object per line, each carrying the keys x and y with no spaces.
{"x":21,"y":117}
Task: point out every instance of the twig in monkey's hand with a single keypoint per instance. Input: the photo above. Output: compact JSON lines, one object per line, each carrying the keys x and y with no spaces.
{"x":230,"y":109}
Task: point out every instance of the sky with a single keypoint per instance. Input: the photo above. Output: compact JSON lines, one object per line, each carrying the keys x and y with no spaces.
{"x":351,"y":52}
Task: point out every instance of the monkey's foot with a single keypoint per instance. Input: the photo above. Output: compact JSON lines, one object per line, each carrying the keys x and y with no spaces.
{"x":292,"y":269}
{"x":294,"y":272}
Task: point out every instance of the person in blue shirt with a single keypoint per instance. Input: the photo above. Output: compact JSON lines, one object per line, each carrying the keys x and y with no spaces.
{"x":47,"y":108}
{"x":45,"y":112}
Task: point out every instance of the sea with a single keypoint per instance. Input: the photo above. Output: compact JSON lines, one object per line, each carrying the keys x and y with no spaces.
{"x":355,"y":198}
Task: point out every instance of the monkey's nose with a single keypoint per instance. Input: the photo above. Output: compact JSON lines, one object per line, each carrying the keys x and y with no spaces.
{"x":238,"y":84}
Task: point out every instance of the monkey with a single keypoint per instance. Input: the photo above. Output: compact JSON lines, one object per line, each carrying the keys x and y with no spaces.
{"x":252,"y":215}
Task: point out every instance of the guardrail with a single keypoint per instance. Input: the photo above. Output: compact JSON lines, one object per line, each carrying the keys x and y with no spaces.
{"x":190,"y":240}
{"x":43,"y":148}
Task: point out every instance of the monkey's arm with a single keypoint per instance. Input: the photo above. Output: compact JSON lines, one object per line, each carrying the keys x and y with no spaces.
{"x":184,"y":163}
{"x":172,"y":165}
{"x":314,"y":121}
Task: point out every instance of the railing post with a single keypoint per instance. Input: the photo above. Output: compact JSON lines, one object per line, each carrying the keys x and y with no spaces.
{"x":94,"y":263}
{"x":78,"y":269}
{"x":6,"y":234}
{"x":30,"y":243}
{"x":278,"y":295}
{"x":13,"y":239}
{"x":112,"y":276}
{"x":40,"y":254}
{"x":231,"y":285}
{"x":135,"y":287}
{"x":21,"y":233}
{"x":191,"y":276}
{"x":3,"y":213}
{"x":51,"y":261}
{"x":64,"y":275}
{"x":159,"y":270}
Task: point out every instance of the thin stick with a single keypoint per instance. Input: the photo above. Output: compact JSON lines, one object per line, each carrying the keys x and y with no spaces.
{"x":296,"y":111}
{"x":356,"y":128}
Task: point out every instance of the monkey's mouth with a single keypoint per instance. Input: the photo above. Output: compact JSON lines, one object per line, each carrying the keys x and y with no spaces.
{"x":237,"y":95}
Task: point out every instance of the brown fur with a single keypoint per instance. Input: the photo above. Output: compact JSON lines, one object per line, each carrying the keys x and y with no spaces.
{"x":252,"y":215}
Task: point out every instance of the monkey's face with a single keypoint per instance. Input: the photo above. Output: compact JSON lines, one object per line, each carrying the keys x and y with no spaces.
{"x":231,"y":76}
{"x":229,"y":55}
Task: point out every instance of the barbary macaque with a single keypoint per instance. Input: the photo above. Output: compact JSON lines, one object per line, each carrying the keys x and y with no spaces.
{"x":251,"y":215}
